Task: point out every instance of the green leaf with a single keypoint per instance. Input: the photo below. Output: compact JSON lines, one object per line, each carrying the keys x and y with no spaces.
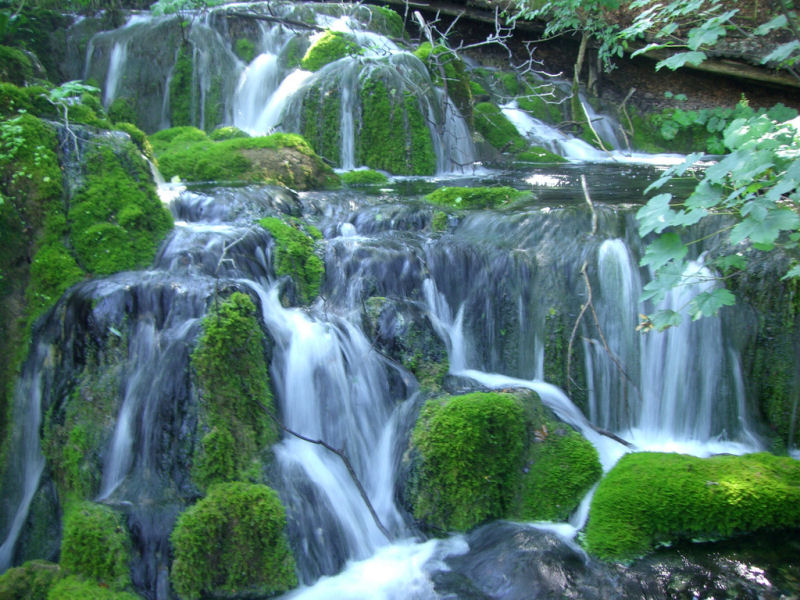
{"x":776,"y":23}
{"x":676,"y":61}
{"x":707,"y":304}
{"x":792,"y":273}
{"x":665,"y":318}
{"x":668,"y":247}
{"x":731,"y":262}
{"x":705,"y":196}
{"x":782,"y":52}
{"x":766,"y":230}
{"x":655,"y":215}
{"x":648,"y":48}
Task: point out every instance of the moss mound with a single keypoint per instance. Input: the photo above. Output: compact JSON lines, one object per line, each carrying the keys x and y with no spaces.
{"x":471,"y":448}
{"x":233,"y":381}
{"x":394,"y":134}
{"x":363,"y":177}
{"x":15,"y":66}
{"x":322,"y":110}
{"x":539,"y":155}
{"x":227,"y":133}
{"x":31,"y":581}
{"x":495,"y":127}
{"x":232,"y":542}
{"x":95,"y":545}
{"x":651,"y":498}
{"x":331,"y":46}
{"x":479,"y":197}
{"x":70,"y":588}
{"x":284,"y":158}
{"x":450,"y":72}
{"x":293,"y":255}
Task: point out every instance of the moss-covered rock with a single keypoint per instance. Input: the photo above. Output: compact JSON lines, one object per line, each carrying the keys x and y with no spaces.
{"x":232,"y":542}
{"x":227,"y":133}
{"x":363,"y":177}
{"x":138,"y":137}
{"x":13,"y":99}
{"x":471,"y":450}
{"x":495,"y":127}
{"x":448,"y":71}
{"x":652,"y":498}
{"x":330,"y":46}
{"x":293,"y":255}
{"x":233,"y":384}
{"x":245,"y":49}
{"x":537,"y":154}
{"x":70,"y":588}
{"x":394,"y":134}
{"x":477,"y":197}
{"x":96,"y":545}
{"x":543,"y":101}
{"x":180,"y":88}
{"x":281,"y":157}
{"x":15,"y":66}
{"x":31,"y":581}
{"x":122,"y":110}
{"x":322,"y":110}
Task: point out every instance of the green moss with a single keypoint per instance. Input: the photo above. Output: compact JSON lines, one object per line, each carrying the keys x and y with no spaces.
{"x":116,"y":218}
{"x":31,"y":581}
{"x":245,"y":49}
{"x":386,"y":21}
{"x":495,"y":127}
{"x":331,"y":46}
{"x":233,"y":382}
{"x":122,"y":110}
{"x":478,"y":197}
{"x":186,"y":135}
{"x":293,"y":255}
{"x":541,"y":102}
{"x":651,"y":498}
{"x":509,"y":82}
{"x":15,"y":66}
{"x":448,"y":71}
{"x":394,"y":135}
{"x":138,"y":137}
{"x":13,"y":99}
{"x":213,"y":104}
{"x":227,"y":133}
{"x":293,"y":52}
{"x":181,"y":88}
{"x":563,"y":467}
{"x":477,"y":89}
{"x":243,"y":526}
{"x":70,"y":588}
{"x":537,"y":154}
{"x":471,"y":450}
{"x":322,"y":109}
{"x":439,"y":221}
{"x":363,"y":176}
{"x":96,"y":545}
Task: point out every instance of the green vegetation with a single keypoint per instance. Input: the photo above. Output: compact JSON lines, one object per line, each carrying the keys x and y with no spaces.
{"x":439,"y":221}
{"x":95,"y":544}
{"x":471,"y":451}
{"x":537,"y":154}
{"x":650,"y":498}
{"x":233,"y":383}
{"x":363,"y":177}
{"x":478,"y":197}
{"x":331,"y":46}
{"x":541,"y":101}
{"x":293,"y":255}
{"x":394,"y":134}
{"x":31,"y":581}
{"x":15,"y":67}
{"x":70,"y":588}
{"x":245,"y":49}
{"x":180,"y":88}
{"x":385,"y":20}
{"x":286,"y":158}
{"x":227,"y":133}
{"x":232,"y":542}
{"x":322,"y":110}
{"x":448,"y":71}
{"x":495,"y":127}
{"x":496,"y":455}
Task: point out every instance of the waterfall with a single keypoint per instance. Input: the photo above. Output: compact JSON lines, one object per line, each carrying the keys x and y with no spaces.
{"x":118,"y":56}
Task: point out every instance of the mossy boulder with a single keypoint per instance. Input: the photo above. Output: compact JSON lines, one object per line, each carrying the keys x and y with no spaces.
{"x":245,"y":49}
{"x":321,"y":119}
{"x":227,"y":133}
{"x":496,"y":129}
{"x":71,"y":587}
{"x":652,"y":498}
{"x":448,"y":71}
{"x":394,"y":134}
{"x":283,"y":158}
{"x":31,"y":581}
{"x":488,"y":455}
{"x":537,"y":154}
{"x":233,"y":383}
{"x":477,"y":197}
{"x":15,"y":66}
{"x":96,"y":545}
{"x":293,"y":255}
{"x":363,"y":177}
{"x":330,"y":46}
{"x":232,"y":542}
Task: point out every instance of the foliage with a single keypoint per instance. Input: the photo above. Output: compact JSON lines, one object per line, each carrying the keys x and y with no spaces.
{"x":756,"y":183}
{"x":471,"y":450}
{"x":96,"y":545}
{"x":652,"y":498}
{"x":31,"y":581}
{"x":495,"y":127}
{"x":363,"y":176}
{"x":233,"y":382}
{"x":293,"y":255}
{"x":330,"y":46}
{"x":394,"y":133}
{"x":188,"y":153}
{"x":475,"y":197}
{"x":232,"y":542}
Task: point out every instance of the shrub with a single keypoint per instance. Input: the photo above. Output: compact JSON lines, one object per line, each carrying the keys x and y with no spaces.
{"x":232,"y":541}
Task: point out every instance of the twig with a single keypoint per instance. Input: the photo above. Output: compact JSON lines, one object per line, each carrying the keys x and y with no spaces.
{"x":345,"y":460}
{"x":591,"y":207}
